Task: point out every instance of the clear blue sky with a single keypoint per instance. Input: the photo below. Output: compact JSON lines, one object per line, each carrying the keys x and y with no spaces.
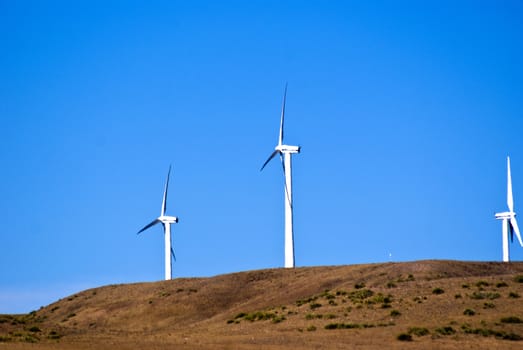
{"x":405,"y":111}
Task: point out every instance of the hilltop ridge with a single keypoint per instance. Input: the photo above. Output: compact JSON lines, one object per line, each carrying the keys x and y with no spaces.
{"x":453,"y":304}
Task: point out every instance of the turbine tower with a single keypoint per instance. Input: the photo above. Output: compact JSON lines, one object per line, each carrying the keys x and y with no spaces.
{"x":285,"y":152}
{"x":508,"y":218}
{"x":166,"y":221}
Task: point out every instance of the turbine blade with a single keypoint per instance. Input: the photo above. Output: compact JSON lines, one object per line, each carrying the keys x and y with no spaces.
{"x":164,"y":202}
{"x":280,"y":138}
{"x":514,"y":225}
{"x":273,"y":154}
{"x":172,"y":253}
{"x":156,"y":221}
{"x":510,"y":200}
{"x":287,"y":196}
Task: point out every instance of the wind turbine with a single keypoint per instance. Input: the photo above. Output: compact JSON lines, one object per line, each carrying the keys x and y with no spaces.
{"x":285,"y":152}
{"x":166,"y":221}
{"x":509,"y":222}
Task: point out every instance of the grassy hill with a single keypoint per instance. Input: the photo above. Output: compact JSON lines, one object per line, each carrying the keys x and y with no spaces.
{"x":424,"y":304}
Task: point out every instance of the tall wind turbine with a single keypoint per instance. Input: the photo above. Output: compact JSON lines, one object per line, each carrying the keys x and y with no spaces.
{"x":508,"y":218}
{"x":285,"y":152}
{"x":166,"y":221}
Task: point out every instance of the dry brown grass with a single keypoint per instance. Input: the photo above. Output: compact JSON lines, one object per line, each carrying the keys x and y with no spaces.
{"x":361,"y":306}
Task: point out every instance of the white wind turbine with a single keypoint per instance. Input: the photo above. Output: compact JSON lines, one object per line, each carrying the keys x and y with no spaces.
{"x":509,"y":218}
{"x":285,"y":152}
{"x":166,"y":221}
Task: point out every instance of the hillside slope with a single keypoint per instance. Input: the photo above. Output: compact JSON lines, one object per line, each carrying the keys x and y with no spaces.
{"x":440,"y":304}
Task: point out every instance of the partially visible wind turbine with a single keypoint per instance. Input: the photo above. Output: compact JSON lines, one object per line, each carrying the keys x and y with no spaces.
{"x":285,"y":152}
{"x":508,"y":218}
{"x":166,"y":221}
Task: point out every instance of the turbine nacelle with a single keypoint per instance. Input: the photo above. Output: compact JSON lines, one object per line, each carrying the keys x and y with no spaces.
{"x":505,"y":215}
{"x":168,"y":219}
{"x":287,"y":149}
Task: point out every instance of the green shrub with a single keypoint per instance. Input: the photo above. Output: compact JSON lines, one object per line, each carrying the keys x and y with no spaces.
{"x":418,"y":331}
{"x":258,"y":316}
{"x":448,"y":330}
{"x":278,"y":319}
{"x":311,"y":328}
{"x":359,"y":285}
{"x":465,"y":286}
{"x":331,"y":326}
{"x":29,"y":338}
{"x":348,"y":325}
{"x":360,"y":295}
{"x":313,"y":316}
{"x":485,"y":332}
{"x":54,"y":335}
{"x":438,"y":291}
{"x":391,"y":285}
{"x":511,"y":336}
{"x":482,"y":284}
{"x":511,"y":319}
{"x":466,"y":328}
{"x":488,"y":306}
{"x":469,"y":312}
{"x":457,"y":296}
{"x":404,"y":337}
{"x":501,"y":284}
{"x":326,"y":294}
{"x":395,"y":313}
{"x":518,"y":279}
{"x":34,"y":329}
{"x":485,"y":295}
{"x":4,"y":338}
{"x":314,"y":306}
{"x":513,"y":295}
{"x":379,"y":298}
{"x":480,"y":331}
{"x":305,"y":301}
